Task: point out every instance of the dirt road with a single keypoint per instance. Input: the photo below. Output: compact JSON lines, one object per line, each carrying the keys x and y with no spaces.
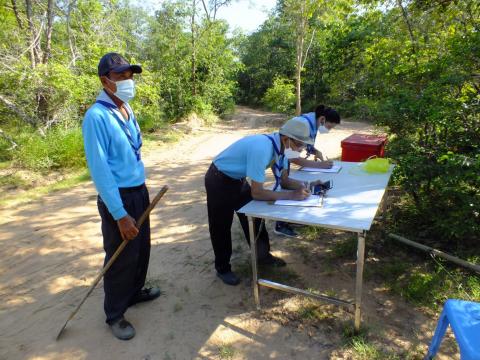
{"x":51,"y":251}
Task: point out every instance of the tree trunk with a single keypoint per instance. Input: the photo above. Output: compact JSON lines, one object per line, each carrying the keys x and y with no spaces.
{"x":410,"y":31}
{"x":298,"y":93}
{"x":48,"y":32}
{"x":301,"y":27}
{"x":17,"y":15}
{"x":33,"y":55}
{"x":71,"y":44}
{"x":194,"y":50}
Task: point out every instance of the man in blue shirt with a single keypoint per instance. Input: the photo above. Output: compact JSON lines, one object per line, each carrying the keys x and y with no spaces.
{"x":228,"y":189}
{"x":112,"y":141}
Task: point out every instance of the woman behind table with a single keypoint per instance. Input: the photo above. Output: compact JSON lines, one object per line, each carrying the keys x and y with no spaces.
{"x":319,"y":122}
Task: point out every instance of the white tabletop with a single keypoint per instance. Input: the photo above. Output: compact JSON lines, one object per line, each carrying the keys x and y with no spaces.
{"x":350,"y":205}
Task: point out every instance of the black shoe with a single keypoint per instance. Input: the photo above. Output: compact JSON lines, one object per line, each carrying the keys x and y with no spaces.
{"x":229,"y":278}
{"x":283,"y":229}
{"x":146,"y":294}
{"x":272,"y":261}
{"x":122,"y":329}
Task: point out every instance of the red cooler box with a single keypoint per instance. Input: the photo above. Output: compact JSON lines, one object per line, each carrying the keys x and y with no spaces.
{"x":359,"y":147}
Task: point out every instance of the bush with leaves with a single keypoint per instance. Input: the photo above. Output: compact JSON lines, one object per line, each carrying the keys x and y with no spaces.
{"x":281,"y":96}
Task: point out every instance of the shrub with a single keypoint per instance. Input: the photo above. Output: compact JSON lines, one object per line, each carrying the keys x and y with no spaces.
{"x":280,"y":97}
{"x":61,"y":148}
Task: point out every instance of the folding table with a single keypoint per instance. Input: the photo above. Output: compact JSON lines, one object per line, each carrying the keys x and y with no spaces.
{"x":350,"y":205}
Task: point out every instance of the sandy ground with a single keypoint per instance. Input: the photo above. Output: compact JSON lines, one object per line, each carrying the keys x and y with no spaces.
{"x":51,"y":250}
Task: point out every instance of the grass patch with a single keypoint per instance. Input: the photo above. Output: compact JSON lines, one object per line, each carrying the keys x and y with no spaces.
{"x":421,"y":280}
{"x":313,"y":311}
{"x":226,"y":351}
{"x":364,"y":348}
{"x":344,"y":248}
{"x":36,"y":193}
{"x":370,"y":344}
{"x":12,"y":181}
{"x":163,"y":136}
{"x":60,"y":148}
{"x":311,"y":233}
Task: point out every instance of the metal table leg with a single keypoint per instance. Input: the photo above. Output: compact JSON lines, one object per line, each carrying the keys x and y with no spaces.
{"x":359,"y":279}
{"x":253,"y":251}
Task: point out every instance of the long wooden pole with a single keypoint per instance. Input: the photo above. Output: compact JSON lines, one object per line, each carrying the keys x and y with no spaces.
{"x":436,"y":252}
{"x":114,"y":257}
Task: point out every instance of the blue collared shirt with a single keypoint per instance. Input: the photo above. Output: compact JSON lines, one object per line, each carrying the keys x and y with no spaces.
{"x":249,"y":157}
{"x":112,"y":162}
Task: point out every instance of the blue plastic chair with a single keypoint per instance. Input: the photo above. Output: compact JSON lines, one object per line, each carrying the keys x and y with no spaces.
{"x":464,"y":318}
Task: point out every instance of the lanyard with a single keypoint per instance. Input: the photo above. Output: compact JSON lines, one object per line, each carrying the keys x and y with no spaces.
{"x":310,"y":148}
{"x":126,"y":130}
{"x":277,"y":169}
{"x":312,"y":127}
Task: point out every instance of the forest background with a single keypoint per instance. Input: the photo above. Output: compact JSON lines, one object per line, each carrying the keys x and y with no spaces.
{"x":410,"y":66}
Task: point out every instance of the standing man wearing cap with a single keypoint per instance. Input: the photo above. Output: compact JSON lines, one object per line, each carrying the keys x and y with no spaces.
{"x":228,"y":189}
{"x":112,"y":143}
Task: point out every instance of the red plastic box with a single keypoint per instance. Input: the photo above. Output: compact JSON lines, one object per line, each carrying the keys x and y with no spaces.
{"x":359,"y":147}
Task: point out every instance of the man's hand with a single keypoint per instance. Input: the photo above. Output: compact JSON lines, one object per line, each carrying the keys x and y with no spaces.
{"x":299,"y":194}
{"x":318,"y":155}
{"x":127,"y":227}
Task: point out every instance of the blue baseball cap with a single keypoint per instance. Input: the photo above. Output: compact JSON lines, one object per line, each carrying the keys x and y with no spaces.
{"x":113,"y":62}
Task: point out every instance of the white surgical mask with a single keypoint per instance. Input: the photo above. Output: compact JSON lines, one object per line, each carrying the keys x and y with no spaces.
{"x":125,"y":90}
{"x":322,"y":129}
{"x":290,"y":153}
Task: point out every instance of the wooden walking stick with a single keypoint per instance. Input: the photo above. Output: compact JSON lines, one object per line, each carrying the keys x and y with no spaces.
{"x":115,"y":255}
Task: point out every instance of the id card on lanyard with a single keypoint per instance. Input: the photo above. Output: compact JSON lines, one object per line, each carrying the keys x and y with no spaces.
{"x":134,"y":145}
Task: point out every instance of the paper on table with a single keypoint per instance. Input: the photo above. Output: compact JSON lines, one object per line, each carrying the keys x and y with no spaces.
{"x":312,"y":200}
{"x":333,"y":169}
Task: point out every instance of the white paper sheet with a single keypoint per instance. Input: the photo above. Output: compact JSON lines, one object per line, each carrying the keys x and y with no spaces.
{"x":312,"y":200}
{"x":334,"y":169}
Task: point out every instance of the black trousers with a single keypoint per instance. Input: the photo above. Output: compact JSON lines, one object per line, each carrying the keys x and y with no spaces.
{"x":224,"y":197}
{"x":127,"y":275}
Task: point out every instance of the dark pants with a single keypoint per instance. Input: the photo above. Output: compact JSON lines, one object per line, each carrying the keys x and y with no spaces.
{"x":127,"y":275}
{"x":224,"y":197}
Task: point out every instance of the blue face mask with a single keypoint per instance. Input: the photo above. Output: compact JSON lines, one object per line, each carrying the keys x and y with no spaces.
{"x":125,"y":90}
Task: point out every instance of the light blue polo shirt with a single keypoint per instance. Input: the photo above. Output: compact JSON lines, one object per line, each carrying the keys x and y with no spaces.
{"x":110,"y":157}
{"x":249,"y":157}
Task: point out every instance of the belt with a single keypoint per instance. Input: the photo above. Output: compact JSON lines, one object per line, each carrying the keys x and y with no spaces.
{"x":222,"y":175}
{"x":132,"y":189}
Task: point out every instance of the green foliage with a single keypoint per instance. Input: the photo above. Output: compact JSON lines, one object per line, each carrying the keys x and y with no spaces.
{"x":345,"y":247}
{"x":410,"y":67}
{"x":60,"y":148}
{"x":428,"y":284}
{"x":281,"y":96}
{"x":5,"y":150}
{"x":43,"y":93}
